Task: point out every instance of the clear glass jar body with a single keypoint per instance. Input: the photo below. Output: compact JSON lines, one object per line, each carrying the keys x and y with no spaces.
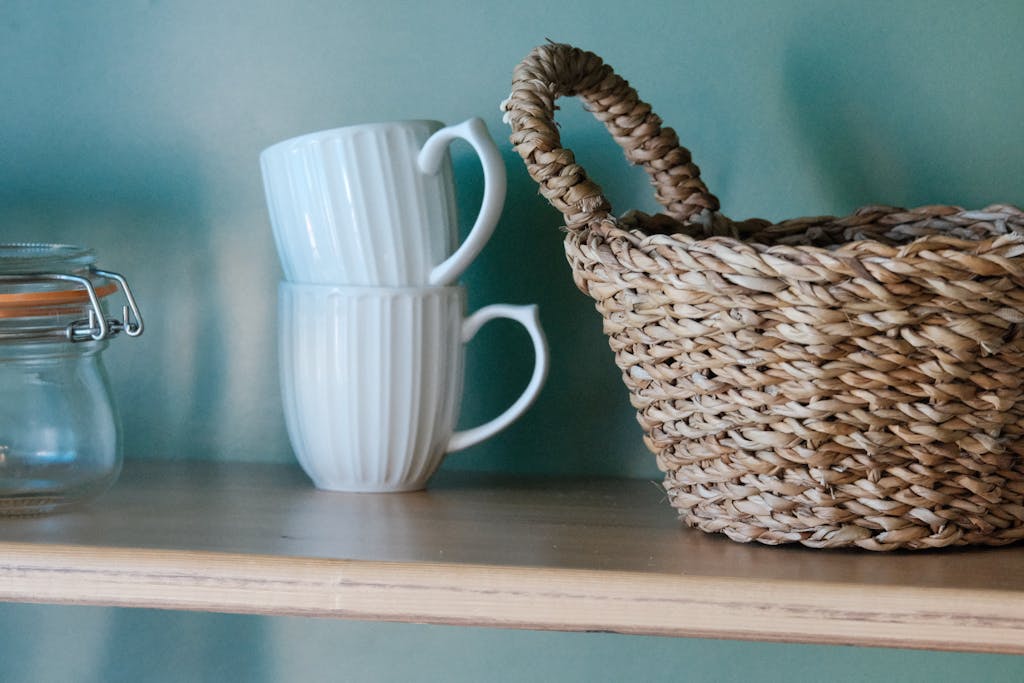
{"x":59,"y":431}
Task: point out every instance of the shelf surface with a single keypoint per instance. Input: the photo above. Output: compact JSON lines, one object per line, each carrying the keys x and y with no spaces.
{"x":492,"y":550}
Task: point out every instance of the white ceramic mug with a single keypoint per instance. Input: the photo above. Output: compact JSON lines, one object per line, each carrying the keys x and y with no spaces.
{"x":371,"y":380}
{"x":374,"y":204}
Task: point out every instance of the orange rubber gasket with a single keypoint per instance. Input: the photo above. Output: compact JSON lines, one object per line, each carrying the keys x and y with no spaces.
{"x":24,"y":304}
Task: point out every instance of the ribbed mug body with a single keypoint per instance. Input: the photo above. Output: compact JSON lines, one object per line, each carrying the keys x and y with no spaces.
{"x":352,"y":206}
{"x":371,"y":382}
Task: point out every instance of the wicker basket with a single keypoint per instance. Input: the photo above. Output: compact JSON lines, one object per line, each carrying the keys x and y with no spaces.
{"x":828,"y":381}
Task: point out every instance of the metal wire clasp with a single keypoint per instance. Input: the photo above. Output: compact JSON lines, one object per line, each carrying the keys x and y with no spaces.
{"x":98,"y":327}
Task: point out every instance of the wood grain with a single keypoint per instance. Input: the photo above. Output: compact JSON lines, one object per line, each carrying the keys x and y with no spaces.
{"x":489,"y":550}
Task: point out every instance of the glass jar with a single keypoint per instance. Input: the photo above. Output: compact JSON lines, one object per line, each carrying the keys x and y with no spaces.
{"x":59,"y":430}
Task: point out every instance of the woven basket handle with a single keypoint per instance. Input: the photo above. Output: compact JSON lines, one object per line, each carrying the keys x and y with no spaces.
{"x":557,"y":70}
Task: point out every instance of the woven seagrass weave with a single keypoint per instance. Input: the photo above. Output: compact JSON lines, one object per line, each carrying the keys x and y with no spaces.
{"x":828,"y":381}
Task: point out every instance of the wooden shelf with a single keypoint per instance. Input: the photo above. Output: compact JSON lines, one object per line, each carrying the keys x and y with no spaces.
{"x":491,"y":550}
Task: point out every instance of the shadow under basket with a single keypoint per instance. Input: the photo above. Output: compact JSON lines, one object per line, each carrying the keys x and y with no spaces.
{"x":828,"y":381}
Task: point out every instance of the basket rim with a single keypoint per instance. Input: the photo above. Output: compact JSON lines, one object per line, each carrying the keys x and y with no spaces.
{"x":631,"y":231}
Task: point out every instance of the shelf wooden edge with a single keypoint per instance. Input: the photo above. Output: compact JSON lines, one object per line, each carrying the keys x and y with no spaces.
{"x":516,"y":597}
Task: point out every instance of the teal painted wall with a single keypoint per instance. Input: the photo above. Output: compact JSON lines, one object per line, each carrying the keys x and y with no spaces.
{"x":134,"y":127}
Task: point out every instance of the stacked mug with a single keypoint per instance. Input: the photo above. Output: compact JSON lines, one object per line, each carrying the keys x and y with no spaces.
{"x":372,"y":322}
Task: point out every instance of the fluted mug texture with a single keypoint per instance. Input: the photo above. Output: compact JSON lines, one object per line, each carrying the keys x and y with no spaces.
{"x":851,"y":381}
{"x":374,"y":204}
{"x":372,"y":377}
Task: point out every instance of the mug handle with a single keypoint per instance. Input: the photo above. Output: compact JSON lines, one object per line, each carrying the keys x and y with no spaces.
{"x":527,"y":317}
{"x":430,"y":158}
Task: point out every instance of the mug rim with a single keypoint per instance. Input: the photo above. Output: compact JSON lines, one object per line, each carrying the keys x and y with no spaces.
{"x":319,"y":136}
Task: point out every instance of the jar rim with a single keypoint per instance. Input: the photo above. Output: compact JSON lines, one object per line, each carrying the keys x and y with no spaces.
{"x":30,"y":257}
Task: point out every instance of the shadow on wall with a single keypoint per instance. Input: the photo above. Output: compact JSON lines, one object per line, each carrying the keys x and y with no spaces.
{"x":113,"y":145}
{"x":582,"y":422}
{"x":166,"y":383}
{"x":890,"y":125}
{"x":207,"y":646}
{"x":87,"y":644}
{"x":144,"y":201}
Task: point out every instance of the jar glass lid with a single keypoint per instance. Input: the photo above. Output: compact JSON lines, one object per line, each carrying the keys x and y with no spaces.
{"x":44,"y":258}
